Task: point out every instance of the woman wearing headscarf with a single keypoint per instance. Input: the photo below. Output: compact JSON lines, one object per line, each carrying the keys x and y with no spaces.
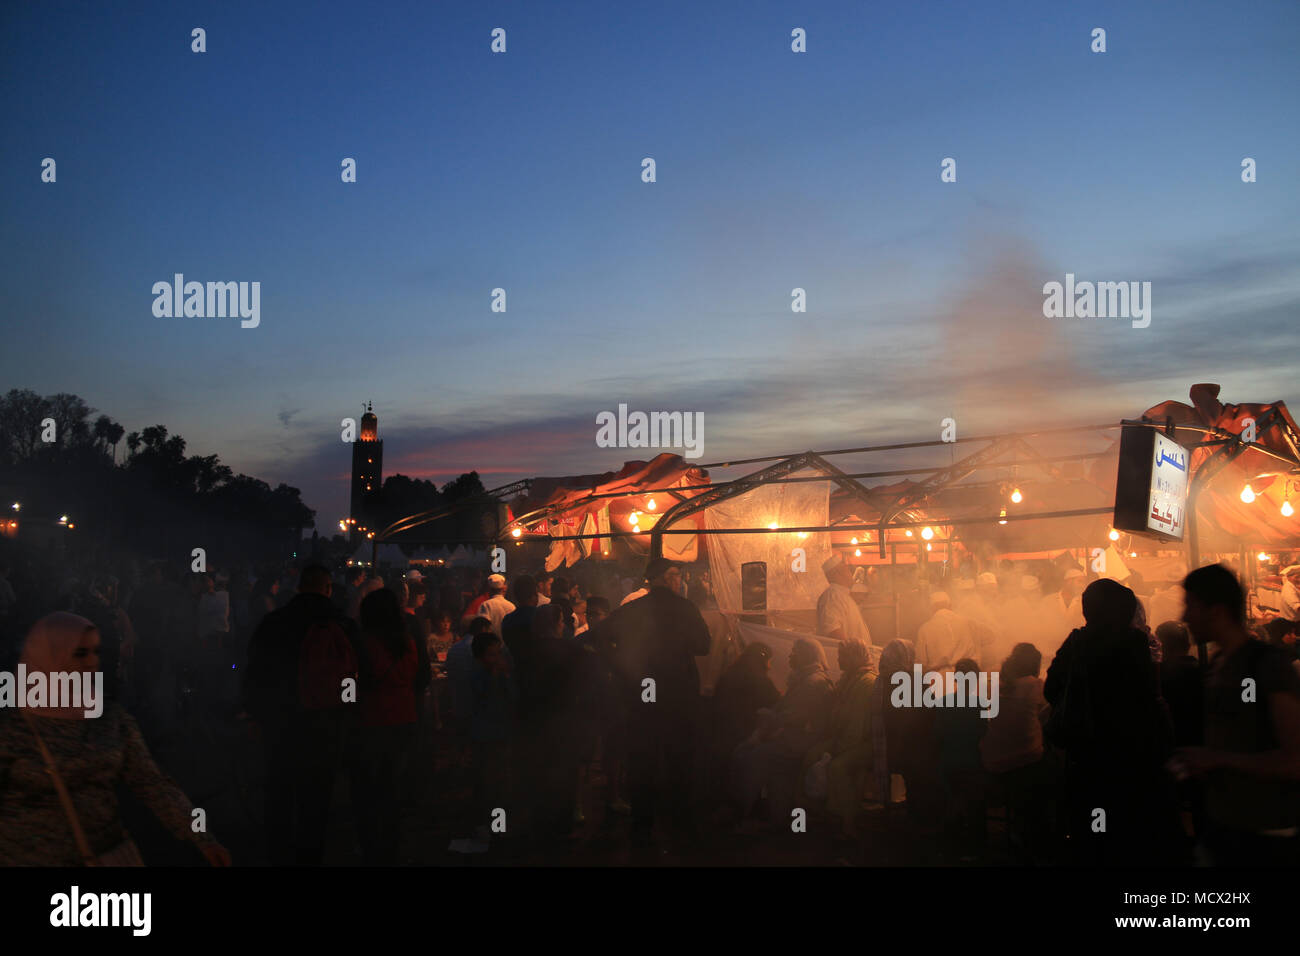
{"x":59,"y":768}
{"x":849,"y":742}
{"x":741,"y":692}
{"x":1111,"y":721}
{"x":774,"y":756}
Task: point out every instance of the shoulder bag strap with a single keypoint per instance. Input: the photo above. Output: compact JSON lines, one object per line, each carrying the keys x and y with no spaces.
{"x":83,"y":846}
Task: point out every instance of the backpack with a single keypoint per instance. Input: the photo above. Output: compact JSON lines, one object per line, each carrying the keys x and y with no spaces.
{"x":325,"y":660}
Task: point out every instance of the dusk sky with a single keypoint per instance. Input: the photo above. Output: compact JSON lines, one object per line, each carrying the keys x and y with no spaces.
{"x":522,"y":170}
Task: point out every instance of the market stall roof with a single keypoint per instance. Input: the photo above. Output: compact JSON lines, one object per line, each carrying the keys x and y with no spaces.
{"x":581,"y":494}
{"x":1270,"y":465}
{"x":626,"y":503}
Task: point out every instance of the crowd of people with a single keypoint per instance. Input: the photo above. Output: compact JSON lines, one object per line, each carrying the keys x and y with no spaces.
{"x":1112,"y":741}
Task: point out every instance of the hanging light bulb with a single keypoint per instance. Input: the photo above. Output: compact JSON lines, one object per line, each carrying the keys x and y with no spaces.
{"x":1262,"y":557}
{"x":1287,"y":510}
{"x":1002,"y":516}
{"x":908,"y":532}
{"x":927,"y":532}
{"x":853,"y":541}
{"x":516,"y":532}
{"x":1016,"y":496}
{"x":929,"y":547}
{"x":1248,"y":494}
{"x":650,"y":505}
{"x":857,"y":553}
{"x":1114,"y":535}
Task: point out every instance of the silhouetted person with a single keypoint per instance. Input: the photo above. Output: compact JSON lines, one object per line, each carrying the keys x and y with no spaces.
{"x":1181,"y":684}
{"x":775,"y":756}
{"x":389,"y":669}
{"x":1251,"y":759}
{"x":290,"y":692}
{"x":1111,"y":722}
{"x":656,"y":639}
{"x":549,"y":705}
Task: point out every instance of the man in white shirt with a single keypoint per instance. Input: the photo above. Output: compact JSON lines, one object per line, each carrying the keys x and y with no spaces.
{"x":838,"y":615}
{"x":1291,"y":593}
{"x":982,"y":610}
{"x":946,"y":638}
{"x":544,"y":588}
{"x":1069,"y":600}
{"x":496,"y":607}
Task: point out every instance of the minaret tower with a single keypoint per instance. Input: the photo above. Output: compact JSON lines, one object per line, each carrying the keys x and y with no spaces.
{"x":367,"y":465}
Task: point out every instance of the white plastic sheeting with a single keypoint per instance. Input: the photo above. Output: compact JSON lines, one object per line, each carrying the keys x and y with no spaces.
{"x":802,"y":504}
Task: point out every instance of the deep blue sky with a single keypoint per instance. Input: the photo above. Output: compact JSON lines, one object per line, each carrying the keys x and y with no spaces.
{"x":522,"y":170}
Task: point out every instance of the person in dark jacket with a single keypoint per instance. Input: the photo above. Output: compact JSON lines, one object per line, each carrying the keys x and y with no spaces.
{"x":303,"y":749}
{"x":775,"y":757}
{"x":1181,"y":684}
{"x":390,"y":670}
{"x":1109,"y":718}
{"x":654,"y":642}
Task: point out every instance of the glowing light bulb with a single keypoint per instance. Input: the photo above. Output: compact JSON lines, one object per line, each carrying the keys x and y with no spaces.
{"x":802,"y":535}
{"x":63,"y":519}
{"x":1016,"y":496}
{"x":857,"y":553}
{"x":908,"y":532}
{"x":929,"y":547}
{"x":853,"y":541}
{"x":772,"y":526}
{"x":1287,"y":510}
{"x":1114,"y":535}
{"x":1002,"y":516}
{"x":1132,"y":554}
{"x":650,"y":505}
{"x":516,"y":532}
{"x":1262,"y":557}
{"x":1248,"y":494}
{"x":16,"y":506}
{"x":927,"y":533}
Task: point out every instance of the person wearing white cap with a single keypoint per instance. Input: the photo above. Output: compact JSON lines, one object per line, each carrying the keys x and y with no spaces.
{"x":946,"y":637}
{"x":1291,"y":593}
{"x":496,"y":607}
{"x":1070,"y":600}
{"x":982,"y":610}
{"x":838,"y":615}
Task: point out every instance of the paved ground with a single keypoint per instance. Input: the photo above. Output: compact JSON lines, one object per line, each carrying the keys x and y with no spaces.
{"x":218,"y":766}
